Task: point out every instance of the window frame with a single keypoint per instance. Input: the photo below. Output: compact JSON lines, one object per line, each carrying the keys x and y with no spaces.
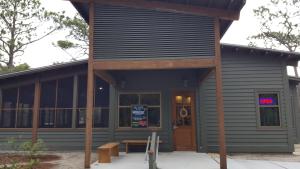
{"x":16,"y":109}
{"x":55,"y":108}
{"x":155,"y":106}
{"x":258,"y":106}
{"x":94,"y":107}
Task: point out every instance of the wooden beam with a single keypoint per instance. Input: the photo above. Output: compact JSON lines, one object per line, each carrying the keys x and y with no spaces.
{"x":105,"y":76}
{"x":172,"y":7}
{"x":153,"y":64}
{"x":219,"y":97}
{"x":36,"y":108}
{"x":90,"y":90}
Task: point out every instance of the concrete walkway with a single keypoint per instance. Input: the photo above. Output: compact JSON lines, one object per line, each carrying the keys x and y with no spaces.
{"x":189,"y":160}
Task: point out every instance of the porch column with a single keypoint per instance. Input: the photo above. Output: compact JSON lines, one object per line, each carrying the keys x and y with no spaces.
{"x":219,"y":96}
{"x":36,"y":107}
{"x":90,"y":90}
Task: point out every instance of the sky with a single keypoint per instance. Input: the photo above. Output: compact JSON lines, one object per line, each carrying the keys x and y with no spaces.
{"x":43,"y":52}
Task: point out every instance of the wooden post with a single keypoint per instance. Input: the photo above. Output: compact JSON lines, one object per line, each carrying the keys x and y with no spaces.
{"x":296,"y":71}
{"x":90,"y":89}
{"x":219,"y":97}
{"x":75,"y":97}
{"x":36,"y":108}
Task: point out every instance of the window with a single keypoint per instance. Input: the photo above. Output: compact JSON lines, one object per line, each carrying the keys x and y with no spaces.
{"x":269,"y":109}
{"x":9,"y":102}
{"x":64,"y":104}
{"x":25,"y":106}
{"x":17,"y":104}
{"x":101,"y":103}
{"x":139,"y":110}
{"x":56,"y":103}
{"x":47,"y":105}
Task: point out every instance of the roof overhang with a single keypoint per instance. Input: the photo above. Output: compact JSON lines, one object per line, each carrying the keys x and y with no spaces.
{"x":294,"y":80}
{"x":291,"y":57}
{"x":226,"y":10}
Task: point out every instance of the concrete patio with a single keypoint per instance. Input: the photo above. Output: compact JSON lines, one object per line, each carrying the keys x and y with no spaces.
{"x":190,"y":160}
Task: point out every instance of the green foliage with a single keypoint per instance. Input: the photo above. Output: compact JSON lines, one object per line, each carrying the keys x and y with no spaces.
{"x":21,"y":67}
{"x":77,"y":37}
{"x":279,"y":24}
{"x":12,"y":144}
{"x":14,"y":165}
{"x":23,"y":22}
{"x":65,"y":44}
{"x":32,"y":150}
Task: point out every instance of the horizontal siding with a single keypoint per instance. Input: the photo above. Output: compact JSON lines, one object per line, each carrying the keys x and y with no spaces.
{"x":243,"y":75}
{"x":18,"y":136}
{"x":71,"y":140}
{"x":295,"y":112}
{"x":129,"y":33}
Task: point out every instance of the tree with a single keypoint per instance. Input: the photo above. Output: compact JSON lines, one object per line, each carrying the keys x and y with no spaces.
{"x":23,"y":22}
{"x":77,"y":37}
{"x":20,"y":67}
{"x":279,"y":25}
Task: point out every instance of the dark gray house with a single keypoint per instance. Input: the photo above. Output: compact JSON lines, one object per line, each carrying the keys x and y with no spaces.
{"x":158,"y":66}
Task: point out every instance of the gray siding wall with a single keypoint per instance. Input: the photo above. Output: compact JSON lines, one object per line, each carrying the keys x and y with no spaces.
{"x":245,"y":74}
{"x":129,"y":33}
{"x":72,"y":140}
{"x":295,"y":112}
{"x":18,"y":136}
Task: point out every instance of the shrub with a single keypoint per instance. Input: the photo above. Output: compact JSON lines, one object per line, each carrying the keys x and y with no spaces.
{"x":32,"y":150}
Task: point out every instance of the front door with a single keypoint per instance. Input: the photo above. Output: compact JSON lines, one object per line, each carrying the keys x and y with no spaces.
{"x":184,"y":121}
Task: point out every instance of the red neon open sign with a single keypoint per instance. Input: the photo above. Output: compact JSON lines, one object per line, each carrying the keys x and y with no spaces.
{"x":266,"y":101}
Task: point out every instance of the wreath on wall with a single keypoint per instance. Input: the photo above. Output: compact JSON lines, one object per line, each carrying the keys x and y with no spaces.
{"x":183,"y":112}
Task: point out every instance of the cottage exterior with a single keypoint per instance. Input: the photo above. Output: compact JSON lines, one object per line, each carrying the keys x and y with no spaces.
{"x":163,"y":59}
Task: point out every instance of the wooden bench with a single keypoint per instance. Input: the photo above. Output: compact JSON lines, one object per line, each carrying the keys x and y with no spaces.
{"x":106,"y":151}
{"x":135,"y":142}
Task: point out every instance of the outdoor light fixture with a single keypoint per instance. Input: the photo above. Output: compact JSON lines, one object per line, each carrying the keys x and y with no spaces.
{"x":178,"y":99}
{"x":100,"y":88}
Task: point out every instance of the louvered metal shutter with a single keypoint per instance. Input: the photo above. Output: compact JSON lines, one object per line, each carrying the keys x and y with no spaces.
{"x":129,"y":33}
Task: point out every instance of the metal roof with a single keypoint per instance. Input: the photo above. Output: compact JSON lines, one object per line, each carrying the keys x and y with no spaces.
{"x":289,"y":55}
{"x":229,"y":5}
{"x":294,"y":79}
{"x":43,"y":69}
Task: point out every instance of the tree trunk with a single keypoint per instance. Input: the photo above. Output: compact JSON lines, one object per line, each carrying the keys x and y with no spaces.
{"x":10,"y":63}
